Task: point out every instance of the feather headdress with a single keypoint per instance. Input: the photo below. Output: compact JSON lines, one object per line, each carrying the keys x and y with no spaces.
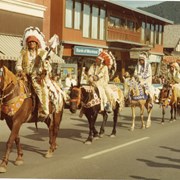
{"x":34,"y":32}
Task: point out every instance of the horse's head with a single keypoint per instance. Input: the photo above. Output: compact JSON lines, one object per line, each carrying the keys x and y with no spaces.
{"x":6,"y":78}
{"x":75,"y":98}
{"x":165,"y":95}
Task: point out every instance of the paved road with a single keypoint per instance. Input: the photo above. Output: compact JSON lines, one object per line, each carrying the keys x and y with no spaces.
{"x":150,"y":154}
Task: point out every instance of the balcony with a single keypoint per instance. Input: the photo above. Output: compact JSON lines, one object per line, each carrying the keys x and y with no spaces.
{"x":123,"y":34}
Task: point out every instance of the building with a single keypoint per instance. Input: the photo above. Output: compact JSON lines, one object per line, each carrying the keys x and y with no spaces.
{"x":172,"y":43}
{"x":15,"y":16}
{"x":85,"y":27}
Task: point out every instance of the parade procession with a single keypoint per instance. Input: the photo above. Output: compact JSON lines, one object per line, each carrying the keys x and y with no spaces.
{"x":87,"y":70}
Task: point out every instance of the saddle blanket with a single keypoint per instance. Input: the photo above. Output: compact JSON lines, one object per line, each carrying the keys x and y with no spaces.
{"x":11,"y":107}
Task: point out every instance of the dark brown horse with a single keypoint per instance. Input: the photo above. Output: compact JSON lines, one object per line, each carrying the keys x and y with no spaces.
{"x":18,"y":108}
{"x":169,"y":97}
{"x":88,"y":96}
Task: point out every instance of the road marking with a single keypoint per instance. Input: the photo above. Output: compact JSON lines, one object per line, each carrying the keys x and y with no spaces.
{"x":114,"y":148}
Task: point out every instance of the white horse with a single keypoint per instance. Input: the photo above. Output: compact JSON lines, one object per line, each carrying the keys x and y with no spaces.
{"x":135,"y":94}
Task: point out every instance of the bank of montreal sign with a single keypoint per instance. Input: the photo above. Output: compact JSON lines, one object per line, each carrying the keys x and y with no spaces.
{"x":86,"y":51}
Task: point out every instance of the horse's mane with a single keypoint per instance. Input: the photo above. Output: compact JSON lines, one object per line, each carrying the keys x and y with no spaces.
{"x":8,"y":77}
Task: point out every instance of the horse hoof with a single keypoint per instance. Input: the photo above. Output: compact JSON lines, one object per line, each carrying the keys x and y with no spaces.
{"x":101,"y":135}
{"x":131,"y":129}
{"x":3,"y":169}
{"x":88,"y":142}
{"x":96,"y":138}
{"x":19,"y":162}
{"x":49,"y":155}
{"x":112,"y":135}
{"x":162,"y":123}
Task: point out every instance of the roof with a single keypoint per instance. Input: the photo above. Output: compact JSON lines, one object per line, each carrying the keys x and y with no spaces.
{"x":171,"y":35}
{"x":10,"y":47}
{"x":140,"y":11}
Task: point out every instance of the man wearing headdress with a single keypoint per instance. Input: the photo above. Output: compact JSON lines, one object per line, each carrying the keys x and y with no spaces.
{"x":99,"y":76}
{"x":34,"y":64}
{"x":174,"y":73}
{"x":143,"y":73}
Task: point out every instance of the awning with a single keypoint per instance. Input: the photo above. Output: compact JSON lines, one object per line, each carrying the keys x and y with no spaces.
{"x":10,"y":47}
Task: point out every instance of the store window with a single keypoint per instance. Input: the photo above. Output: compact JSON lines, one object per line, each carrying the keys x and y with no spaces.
{"x":86,"y":20}
{"x":69,"y":13}
{"x":94,"y":22}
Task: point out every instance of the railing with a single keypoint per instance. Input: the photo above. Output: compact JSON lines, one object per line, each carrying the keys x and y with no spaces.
{"x":123,"y":34}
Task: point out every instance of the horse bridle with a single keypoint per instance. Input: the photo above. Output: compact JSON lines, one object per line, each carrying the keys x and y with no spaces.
{"x":78,"y":99}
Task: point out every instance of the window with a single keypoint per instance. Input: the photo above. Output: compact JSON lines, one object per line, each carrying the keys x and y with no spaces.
{"x":86,"y":20}
{"x":130,"y":25}
{"x":69,"y":13}
{"x":160,"y":34}
{"x":152,"y":34}
{"x":143,"y":31}
{"x":77,"y":15}
{"x":147,"y":33}
{"x":102,"y":24}
{"x":114,"y":22}
{"x":94,"y":22}
{"x":157,"y":34}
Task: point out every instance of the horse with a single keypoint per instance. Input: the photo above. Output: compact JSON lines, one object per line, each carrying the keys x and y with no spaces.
{"x":88,"y":97}
{"x":135,"y":95}
{"x":17,"y":108}
{"x":170,"y":97}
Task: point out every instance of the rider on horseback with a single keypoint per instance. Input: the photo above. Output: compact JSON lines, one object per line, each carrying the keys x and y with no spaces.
{"x":174,"y":73}
{"x":34,"y":65}
{"x":143,"y":72}
{"x":99,"y":76}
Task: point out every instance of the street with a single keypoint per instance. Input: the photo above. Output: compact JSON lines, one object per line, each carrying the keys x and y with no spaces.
{"x":150,"y":154}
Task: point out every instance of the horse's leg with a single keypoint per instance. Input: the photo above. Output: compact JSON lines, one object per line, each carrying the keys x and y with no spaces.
{"x":9,"y":144}
{"x":172,"y":112}
{"x":175,"y":111}
{"x":148,"y":123}
{"x":115,"y":119}
{"x":102,"y":130}
{"x":133,"y":118}
{"x":91,"y":120}
{"x":142,"y":116}
{"x":163,"y":114}
{"x":19,"y":159}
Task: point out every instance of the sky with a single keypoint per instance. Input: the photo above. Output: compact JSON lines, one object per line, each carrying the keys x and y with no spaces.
{"x":142,"y":3}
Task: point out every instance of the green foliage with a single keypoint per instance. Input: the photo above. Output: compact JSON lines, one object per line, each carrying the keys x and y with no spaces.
{"x":169,"y":10}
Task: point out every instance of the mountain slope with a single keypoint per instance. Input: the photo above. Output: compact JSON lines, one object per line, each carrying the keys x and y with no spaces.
{"x":169,"y":10}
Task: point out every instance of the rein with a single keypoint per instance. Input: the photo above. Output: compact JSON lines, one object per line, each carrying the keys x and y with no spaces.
{"x":4,"y":96}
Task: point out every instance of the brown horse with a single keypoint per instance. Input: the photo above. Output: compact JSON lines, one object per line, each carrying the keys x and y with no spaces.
{"x":89,"y":97}
{"x":18,"y":108}
{"x":135,"y":95}
{"x":170,"y":97}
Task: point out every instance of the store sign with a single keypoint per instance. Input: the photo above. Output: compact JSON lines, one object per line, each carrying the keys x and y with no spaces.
{"x":155,"y":58}
{"x":86,"y":51}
